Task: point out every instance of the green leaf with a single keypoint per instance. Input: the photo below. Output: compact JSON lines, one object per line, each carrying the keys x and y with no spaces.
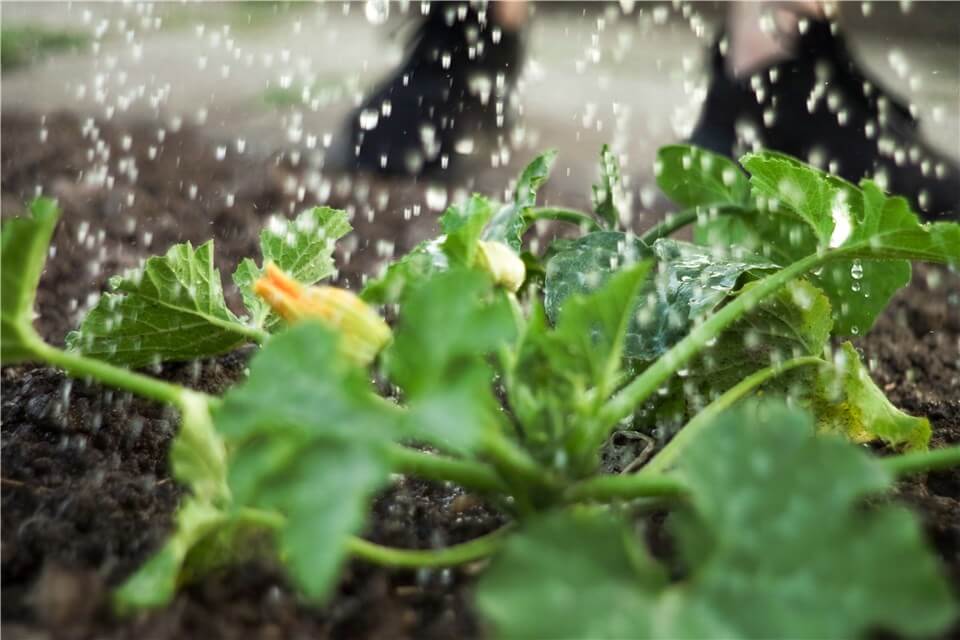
{"x":307,"y":434}
{"x":690,"y":281}
{"x":244,"y":277}
{"x":412,"y":269}
{"x":609,"y":192}
{"x":300,"y":382}
{"x":815,"y":564}
{"x":171,"y":309}
{"x":873,"y":236}
{"x":463,"y":225}
{"x":793,"y":322}
{"x":24,"y":245}
{"x":583,"y":265}
{"x":777,"y":542}
{"x":569,"y":575}
{"x":846,"y":400}
{"x":560,"y":377}
{"x":694,"y":177}
{"x":154,"y":584}
{"x":302,"y":247}
{"x":444,"y":374}
{"x":508,"y":225}
{"x":324,"y":492}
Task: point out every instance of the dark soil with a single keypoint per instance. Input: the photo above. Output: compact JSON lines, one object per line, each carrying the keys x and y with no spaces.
{"x":86,"y":492}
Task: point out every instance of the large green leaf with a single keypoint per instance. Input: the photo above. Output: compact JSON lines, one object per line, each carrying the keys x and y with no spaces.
{"x":302,"y":247}
{"x":171,"y":309}
{"x":608,"y":195}
{"x":24,"y":246}
{"x":689,"y":282}
{"x":307,"y":435}
{"x":694,"y":177}
{"x":776,"y":543}
{"x":508,"y":225}
{"x":570,"y":575}
{"x":815,"y":563}
{"x":873,"y":236}
{"x":585,"y":264}
{"x":444,"y":373}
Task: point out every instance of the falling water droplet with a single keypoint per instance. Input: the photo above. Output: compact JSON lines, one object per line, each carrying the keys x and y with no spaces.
{"x":377,"y":11}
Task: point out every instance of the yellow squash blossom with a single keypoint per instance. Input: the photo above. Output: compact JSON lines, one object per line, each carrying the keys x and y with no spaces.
{"x":363,"y":333}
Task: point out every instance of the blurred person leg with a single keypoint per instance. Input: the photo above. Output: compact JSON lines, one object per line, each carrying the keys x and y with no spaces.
{"x":783,"y":78}
{"x":448,"y":97}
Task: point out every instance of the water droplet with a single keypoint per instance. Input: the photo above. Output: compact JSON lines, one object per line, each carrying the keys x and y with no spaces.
{"x":369,"y":119}
{"x":856,"y":270}
{"x":377,"y":11}
{"x":436,"y":197}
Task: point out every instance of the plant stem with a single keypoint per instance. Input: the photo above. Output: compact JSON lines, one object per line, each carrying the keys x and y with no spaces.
{"x":82,"y":367}
{"x":681,"y":219}
{"x":512,"y":461}
{"x":644,"y":385}
{"x":475,"y":549}
{"x":922,"y":461}
{"x":466,"y":473}
{"x":691,"y":431}
{"x":563,"y":215}
{"x":636,"y":485}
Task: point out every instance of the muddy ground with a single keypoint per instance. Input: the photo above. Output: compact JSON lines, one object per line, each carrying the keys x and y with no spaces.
{"x":86,"y":492}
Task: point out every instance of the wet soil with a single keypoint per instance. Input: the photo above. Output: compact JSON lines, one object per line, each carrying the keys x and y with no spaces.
{"x":86,"y":492}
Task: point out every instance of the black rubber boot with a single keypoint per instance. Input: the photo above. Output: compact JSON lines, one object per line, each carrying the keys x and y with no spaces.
{"x":448,"y":98}
{"x":820,"y":107}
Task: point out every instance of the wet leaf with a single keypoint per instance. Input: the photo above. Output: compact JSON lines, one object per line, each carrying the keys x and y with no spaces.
{"x":171,"y":309}
{"x":444,"y":375}
{"x":414,"y":268}
{"x":302,"y":247}
{"x":463,"y":226}
{"x":608,"y":194}
{"x":307,"y":419}
{"x":776,"y":542}
{"x":508,"y":225}
{"x":25,"y":244}
{"x":570,"y":575}
{"x":689,"y":281}
{"x":846,"y":400}
{"x":874,"y":236}
{"x":694,"y":177}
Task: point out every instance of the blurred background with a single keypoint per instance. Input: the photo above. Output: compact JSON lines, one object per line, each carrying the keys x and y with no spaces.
{"x":205,"y":117}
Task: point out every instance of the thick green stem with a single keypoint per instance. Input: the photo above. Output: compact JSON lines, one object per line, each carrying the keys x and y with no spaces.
{"x":679,"y":220}
{"x":562,"y":215}
{"x":692,"y":430}
{"x":468,"y":474}
{"x":627,"y":487}
{"x":82,"y":367}
{"x":644,"y":385}
{"x":514,"y":462}
{"x":923,"y":461}
{"x":476,"y":549}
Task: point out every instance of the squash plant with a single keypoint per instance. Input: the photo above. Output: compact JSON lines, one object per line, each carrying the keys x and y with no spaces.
{"x":512,"y":369}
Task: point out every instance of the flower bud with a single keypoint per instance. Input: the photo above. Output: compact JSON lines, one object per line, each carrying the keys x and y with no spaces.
{"x":363,"y":333}
{"x":504,"y":265}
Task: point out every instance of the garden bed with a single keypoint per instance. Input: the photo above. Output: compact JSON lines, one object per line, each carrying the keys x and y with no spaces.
{"x":86,"y":489}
